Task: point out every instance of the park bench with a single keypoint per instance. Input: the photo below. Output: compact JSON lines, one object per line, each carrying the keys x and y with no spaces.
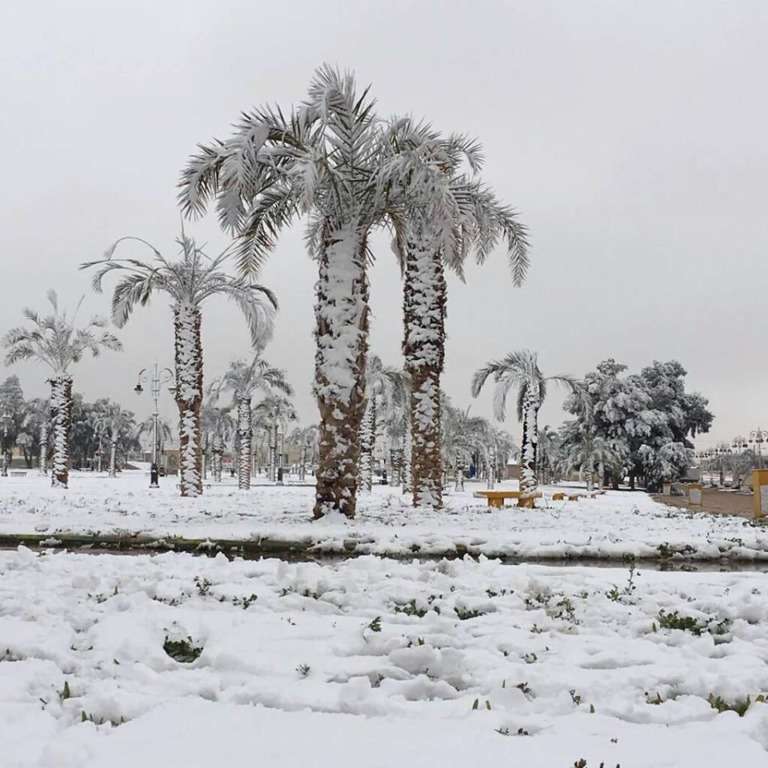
{"x":496,"y":499}
{"x":18,"y":473}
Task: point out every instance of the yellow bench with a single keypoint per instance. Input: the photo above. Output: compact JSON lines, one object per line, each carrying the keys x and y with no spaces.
{"x":496,"y":498}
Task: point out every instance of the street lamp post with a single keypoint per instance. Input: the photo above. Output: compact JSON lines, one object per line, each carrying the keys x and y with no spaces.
{"x":156,"y":379}
{"x":758,"y":437}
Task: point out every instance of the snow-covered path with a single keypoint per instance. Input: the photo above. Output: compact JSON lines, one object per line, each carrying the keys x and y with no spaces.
{"x":615,"y":525}
{"x":376,"y":662}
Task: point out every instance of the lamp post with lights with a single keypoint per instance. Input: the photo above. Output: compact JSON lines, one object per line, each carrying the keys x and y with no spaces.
{"x":156,"y":378}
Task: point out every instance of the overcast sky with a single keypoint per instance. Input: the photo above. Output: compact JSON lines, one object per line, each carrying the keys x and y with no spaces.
{"x":632,"y":137}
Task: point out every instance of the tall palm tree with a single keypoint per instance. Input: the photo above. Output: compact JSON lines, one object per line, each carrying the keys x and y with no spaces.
{"x":244,"y":379}
{"x":520,"y":371}
{"x":59,"y":343}
{"x":189,"y":281}
{"x":385,"y":397}
{"x":444,"y":216}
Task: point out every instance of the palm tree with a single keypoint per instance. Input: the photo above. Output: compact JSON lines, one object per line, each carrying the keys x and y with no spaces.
{"x":39,"y":420}
{"x":189,"y":281}
{"x":218,"y":427}
{"x":120,"y":426}
{"x":385,"y":397}
{"x":444,"y":216}
{"x":164,"y":433}
{"x":587,"y":452}
{"x":272,"y":415}
{"x":56,"y":341}
{"x":520,"y":370}
{"x":463,"y":437}
{"x":244,"y":379}
{"x":305,"y":439}
{"x":548,"y":454}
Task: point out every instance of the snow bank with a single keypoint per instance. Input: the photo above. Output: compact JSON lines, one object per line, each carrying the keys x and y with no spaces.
{"x":376,"y":662}
{"x":615,"y":525}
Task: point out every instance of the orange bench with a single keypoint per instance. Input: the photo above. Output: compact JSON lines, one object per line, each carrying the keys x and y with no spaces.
{"x":496,"y":498}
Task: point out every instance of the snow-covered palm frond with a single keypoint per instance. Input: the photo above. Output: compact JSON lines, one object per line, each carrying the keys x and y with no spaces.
{"x":243,"y":379}
{"x":56,"y":340}
{"x":193,"y":277}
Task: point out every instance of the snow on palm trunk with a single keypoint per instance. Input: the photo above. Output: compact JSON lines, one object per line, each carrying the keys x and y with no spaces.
{"x":44,"y":448}
{"x":341,"y":316}
{"x":367,"y":442}
{"x":189,"y":395}
{"x":528,"y":484}
{"x":113,"y":458}
{"x":424,"y":312}
{"x":244,"y":442}
{"x":61,"y":407}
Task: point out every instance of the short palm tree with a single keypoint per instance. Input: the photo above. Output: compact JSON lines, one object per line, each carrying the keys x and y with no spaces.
{"x":385,"y":397}
{"x":120,"y":426}
{"x":583,"y":450}
{"x":444,"y":216}
{"x":56,"y":341}
{"x":305,"y":439}
{"x":164,"y":434}
{"x":218,"y":428}
{"x":463,"y":436}
{"x":189,"y":281}
{"x":271,"y":416}
{"x":244,"y":380}
{"x":39,"y":421}
{"x":520,"y":371}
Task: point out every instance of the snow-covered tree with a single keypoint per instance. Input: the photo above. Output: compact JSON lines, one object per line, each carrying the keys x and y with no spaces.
{"x":244,"y":380}
{"x":463,"y":436}
{"x":443,"y":217}
{"x":640,"y":414}
{"x":520,"y":371}
{"x":305,"y":439}
{"x":321,"y":160}
{"x":385,"y":398}
{"x":57,"y":341}
{"x":38,"y":424}
{"x":119,"y":426}
{"x":271,"y":416}
{"x":218,"y":427}
{"x":189,"y":281}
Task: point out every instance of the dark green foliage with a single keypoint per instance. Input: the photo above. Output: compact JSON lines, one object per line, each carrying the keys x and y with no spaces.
{"x":184,"y":650}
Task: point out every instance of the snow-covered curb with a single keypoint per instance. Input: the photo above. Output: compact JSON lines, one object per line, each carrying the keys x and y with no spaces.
{"x":123,"y":513}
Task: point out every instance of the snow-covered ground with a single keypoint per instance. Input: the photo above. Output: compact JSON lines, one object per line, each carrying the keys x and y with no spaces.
{"x":614,"y":525}
{"x":377,"y":663}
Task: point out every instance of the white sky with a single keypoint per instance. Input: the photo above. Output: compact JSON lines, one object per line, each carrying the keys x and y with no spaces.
{"x":630,"y":136}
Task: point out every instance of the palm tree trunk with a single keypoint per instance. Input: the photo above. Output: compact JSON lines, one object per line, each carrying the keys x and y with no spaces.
{"x":218,"y":457}
{"x":44,"y":448}
{"x":424,"y":301}
{"x":341,"y":315}
{"x":61,"y":405}
{"x":459,"y":471}
{"x":528,"y":484}
{"x":405,"y":464}
{"x":113,"y":458}
{"x":492,"y":467}
{"x":189,"y":395}
{"x":244,"y":426}
{"x":367,"y":439}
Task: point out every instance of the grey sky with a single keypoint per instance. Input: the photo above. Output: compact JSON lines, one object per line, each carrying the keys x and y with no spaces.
{"x":630,"y":136}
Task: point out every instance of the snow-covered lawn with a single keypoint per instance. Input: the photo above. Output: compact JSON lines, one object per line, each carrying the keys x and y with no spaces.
{"x":377,"y":663}
{"x":614,"y":525}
